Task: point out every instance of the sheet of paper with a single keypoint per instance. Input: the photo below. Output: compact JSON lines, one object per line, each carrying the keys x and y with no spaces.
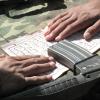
{"x":92,"y":46}
{"x":34,"y":44}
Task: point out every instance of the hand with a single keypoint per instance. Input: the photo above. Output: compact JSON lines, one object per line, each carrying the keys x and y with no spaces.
{"x":75,"y":19}
{"x":18,"y":72}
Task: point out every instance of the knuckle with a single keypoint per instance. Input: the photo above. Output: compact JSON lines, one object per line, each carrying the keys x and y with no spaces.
{"x":88,"y":30}
{"x":93,"y":27}
{"x":10,"y":59}
{"x":64,"y":23}
{"x":38,"y":56}
{"x":53,"y":33}
{"x":69,"y":27}
{"x":48,"y":66}
{"x":35,"y":78}
{"x":53,"y":27}
{"x":99,"y":21}
{"x":59,"y":16}
{"x":36,"y":67}
{"x":15,"y":70}
{"x":97,"y":24}
{"x":84,"y":15}
{"x":45,"y":77}
{"x":23,"y":64}
{"x":74,"y":17}
{"x":35,"y":60}
{"x":20,"y":70}
{"x":91,"y":31}
{"x":59,"y":21}
{"x":42,"y":57}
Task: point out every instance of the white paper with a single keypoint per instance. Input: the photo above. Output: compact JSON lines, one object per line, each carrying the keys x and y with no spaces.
{"x":34,"y":44}
{"x":92,"y":46}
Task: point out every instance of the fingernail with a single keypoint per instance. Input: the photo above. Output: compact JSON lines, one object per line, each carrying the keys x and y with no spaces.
{"x":2,"y":55}
{"x":58,"y":38}
{"x":87,"y":35}
{"x":49,"y":77}
{"x":48,"y":24}
{"x":52,"y":64}
{"x":48,"y":37}
{"x":51,"y":58}
{"x":46,"y":29}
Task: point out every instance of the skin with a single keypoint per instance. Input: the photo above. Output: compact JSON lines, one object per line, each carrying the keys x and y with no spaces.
{"x":85,"y":16}
{"x":17,"y":73}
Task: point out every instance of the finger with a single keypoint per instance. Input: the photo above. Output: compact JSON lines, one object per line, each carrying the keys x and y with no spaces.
{"x":38,"y":79}
{"x":2,"y":56}
{"x":58,"y":22}
{"x":60,"y":27}
{"x":19,"y":58}
{"x":56,"y":18}
{"x":68,"y":31}
{"x":92,"y":30}
{"x":74,"y":27}
{"x":38,"y":69}
{"x":37,"y":60}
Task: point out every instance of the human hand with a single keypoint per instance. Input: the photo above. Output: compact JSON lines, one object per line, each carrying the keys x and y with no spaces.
{"x":75,"y":19}
{"x":17,"y":73}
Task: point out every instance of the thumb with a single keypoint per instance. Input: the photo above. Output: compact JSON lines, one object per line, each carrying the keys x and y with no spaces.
{"x":92,"y":30}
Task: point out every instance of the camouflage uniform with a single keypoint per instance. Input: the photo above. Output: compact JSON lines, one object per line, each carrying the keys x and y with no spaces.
{"x":25,"y":18}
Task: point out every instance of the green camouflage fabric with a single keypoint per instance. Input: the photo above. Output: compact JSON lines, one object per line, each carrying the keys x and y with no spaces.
{"x":24,"y":18}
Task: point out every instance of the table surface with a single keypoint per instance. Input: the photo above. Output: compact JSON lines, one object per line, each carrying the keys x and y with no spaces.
{"x":29,"y":18}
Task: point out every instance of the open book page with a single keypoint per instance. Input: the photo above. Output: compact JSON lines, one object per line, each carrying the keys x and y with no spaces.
{"x":34,"y":44}
{"x":92,"y":46}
